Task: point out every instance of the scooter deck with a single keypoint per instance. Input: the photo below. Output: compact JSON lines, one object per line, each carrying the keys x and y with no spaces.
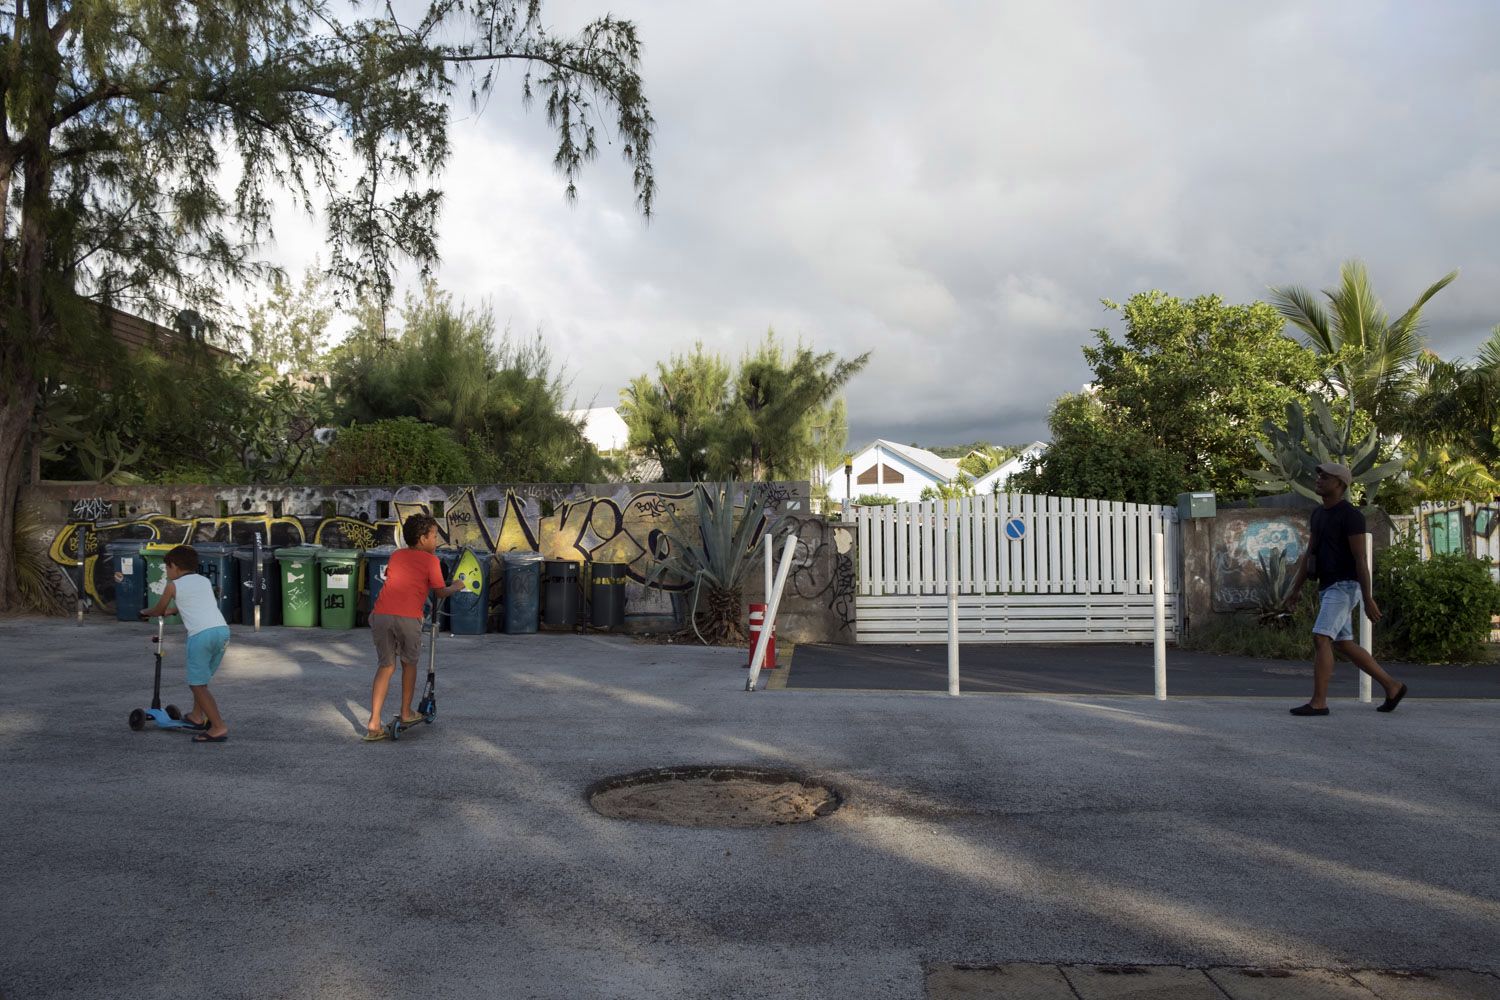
{"x":396,"y":728}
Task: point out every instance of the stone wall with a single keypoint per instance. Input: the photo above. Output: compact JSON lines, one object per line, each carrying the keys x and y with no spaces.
{"x":626,"y":523}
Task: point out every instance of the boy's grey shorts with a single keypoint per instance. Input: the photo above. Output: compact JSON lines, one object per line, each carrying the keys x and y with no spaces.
{"x":396,"y":636}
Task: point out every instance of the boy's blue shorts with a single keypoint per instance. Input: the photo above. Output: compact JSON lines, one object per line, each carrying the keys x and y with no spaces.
{"x":205,"y":651}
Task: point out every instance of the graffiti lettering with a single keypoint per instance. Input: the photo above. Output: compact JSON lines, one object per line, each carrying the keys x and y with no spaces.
{"x":92,"y":509}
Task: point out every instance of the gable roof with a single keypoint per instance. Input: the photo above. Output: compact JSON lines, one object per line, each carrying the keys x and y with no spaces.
{"x":942,"y":468}
{"x":1009,"y":467}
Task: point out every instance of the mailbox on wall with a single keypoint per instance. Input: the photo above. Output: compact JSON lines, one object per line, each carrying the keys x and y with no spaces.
{"x":1191,"y":505}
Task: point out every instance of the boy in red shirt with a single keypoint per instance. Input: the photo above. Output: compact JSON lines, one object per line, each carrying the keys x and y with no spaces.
{"x":396,"y":619}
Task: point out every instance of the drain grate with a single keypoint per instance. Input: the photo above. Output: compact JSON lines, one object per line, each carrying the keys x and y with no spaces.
{"x":714,"y":796}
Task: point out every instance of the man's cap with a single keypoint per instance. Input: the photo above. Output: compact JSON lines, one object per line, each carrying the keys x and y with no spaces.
{"x":1339,"y":472}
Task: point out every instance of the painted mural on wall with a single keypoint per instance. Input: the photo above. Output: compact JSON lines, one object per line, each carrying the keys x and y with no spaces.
{"x":1459,"y":528}
{"x":626,"y":524}
{"x":1239,"y":547}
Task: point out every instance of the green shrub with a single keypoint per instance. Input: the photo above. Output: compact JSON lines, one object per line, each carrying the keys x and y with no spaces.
{"x":393,"y":453}
{"x":1436,"y":611}
{"x":874,"y":500}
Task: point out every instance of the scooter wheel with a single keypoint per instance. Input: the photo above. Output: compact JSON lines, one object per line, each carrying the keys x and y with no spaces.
{"x":396,"y":728}
{"x":427,"y":707}
{"x":174,"y":713}
{"x":137,"y":719}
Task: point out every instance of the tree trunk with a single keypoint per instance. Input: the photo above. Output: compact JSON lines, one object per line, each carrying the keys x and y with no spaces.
{"x":19,"y":402}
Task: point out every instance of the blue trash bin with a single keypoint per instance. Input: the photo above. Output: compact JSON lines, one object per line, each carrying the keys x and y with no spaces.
{"x":375,"y":562}
{"x":217,"y":562}
{"x":269,"y":588}
{"x":130,"y":577}
{"x":523,"y":585}
{"x":469,"y":609}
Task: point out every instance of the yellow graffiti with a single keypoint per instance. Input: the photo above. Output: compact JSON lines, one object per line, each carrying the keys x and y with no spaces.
{"x":633,"y":532}
{"x":359,"y":534}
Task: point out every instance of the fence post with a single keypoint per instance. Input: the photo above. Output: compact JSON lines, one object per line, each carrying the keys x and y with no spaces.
{"x":1366,"y":627}
{"x":1159,"y":600}
{"x":952,"y":608}
{"x":773,"y":602}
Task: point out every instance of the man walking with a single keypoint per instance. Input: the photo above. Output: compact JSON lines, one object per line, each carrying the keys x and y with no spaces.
{"x":1336,"y":556}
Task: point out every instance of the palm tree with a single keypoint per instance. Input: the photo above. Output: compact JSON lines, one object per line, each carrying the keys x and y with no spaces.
{"x":1455,"y":415}
{"x":1374,"y":362}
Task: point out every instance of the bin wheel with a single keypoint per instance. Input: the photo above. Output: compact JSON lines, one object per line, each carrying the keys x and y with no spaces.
{"x":174,"y":713}
{"x":137,"y":719}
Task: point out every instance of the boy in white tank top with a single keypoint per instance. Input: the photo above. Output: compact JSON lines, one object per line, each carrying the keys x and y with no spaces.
{"x":208,"y":635}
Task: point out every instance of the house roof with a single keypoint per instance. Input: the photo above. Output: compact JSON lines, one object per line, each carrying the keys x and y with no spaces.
{"x":1010,"y":466}
{"x":943,"y":468}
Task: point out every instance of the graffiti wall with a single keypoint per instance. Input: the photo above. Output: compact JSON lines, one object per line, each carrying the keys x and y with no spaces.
{"x":1242,"y":540}
{"x":1459,"y":528}
{"x":620,"y":523}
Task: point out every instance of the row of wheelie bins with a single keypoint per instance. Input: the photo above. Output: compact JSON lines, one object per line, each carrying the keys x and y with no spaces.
{"x":310,"y":585}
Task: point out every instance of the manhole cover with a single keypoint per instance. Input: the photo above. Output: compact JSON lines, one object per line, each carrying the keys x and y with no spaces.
{"x":725,"y":796}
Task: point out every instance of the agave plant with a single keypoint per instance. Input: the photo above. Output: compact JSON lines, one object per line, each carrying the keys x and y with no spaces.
{"x":1294,"y":452}
{"x":1276,"y":579}
{"x":715,"y":556}
{"x":33,"y":578}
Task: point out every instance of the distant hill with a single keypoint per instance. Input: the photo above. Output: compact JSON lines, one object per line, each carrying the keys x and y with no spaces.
{"x":960,"y":450}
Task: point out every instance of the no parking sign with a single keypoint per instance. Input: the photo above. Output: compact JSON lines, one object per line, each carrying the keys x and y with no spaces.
{"x":1015,"y":529}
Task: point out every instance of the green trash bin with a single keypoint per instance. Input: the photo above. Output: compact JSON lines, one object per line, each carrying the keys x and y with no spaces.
{"x":338,"y":574}
{"x":299,"y":585}
{"x":154,"y":555}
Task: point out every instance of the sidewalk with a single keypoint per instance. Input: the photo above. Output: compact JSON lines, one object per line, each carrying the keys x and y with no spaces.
{"x":1119,"y":669}
{"x":1056,"y":830}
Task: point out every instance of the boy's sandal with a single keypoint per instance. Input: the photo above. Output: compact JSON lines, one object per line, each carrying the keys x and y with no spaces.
{"x":198,"y":726}
{"x":205,"y":738}
{"x":375,"y":735}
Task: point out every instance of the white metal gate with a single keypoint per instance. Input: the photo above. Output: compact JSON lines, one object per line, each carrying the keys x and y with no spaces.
{"x":1030,"y":569}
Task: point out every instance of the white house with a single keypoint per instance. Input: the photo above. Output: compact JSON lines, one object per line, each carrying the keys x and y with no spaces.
{"x":890,"y":469}
{"x":603,"y":427}
{"x":996,"y":479}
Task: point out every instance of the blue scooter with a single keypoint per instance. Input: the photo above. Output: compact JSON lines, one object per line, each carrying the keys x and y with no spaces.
{"x":427,"y":707}
{"x":165,"y":718}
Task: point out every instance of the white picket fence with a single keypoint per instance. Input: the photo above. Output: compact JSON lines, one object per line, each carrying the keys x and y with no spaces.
{"x":1030,"y":569}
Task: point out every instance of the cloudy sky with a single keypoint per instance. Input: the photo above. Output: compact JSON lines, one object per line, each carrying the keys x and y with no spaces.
{"x":954,"y":186}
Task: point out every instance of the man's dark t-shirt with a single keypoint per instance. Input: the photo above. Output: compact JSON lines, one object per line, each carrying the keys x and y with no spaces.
{"x":1333,"y":558}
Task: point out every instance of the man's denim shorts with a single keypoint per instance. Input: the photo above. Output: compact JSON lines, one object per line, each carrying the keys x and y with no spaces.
{"x":1336,"y":606}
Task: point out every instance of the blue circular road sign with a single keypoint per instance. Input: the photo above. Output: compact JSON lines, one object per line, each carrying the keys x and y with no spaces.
{"x":1015,"y":528}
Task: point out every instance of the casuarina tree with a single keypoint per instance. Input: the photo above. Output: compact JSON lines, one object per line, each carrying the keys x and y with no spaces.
{"x":122,"y":121}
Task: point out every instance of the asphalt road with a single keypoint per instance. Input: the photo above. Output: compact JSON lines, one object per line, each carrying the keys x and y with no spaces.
{"x":296,"y":861}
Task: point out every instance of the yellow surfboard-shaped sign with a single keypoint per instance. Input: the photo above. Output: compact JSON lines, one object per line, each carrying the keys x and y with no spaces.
{"x":468,"y":568}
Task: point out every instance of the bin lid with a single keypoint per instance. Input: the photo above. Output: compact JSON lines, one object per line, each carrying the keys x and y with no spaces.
{"x":159,"y":548}
{"x":524,"y":557}
{"x":248,"y":551}
{"x":381,"y":551}
{"x":125,"y":545}
{"x":298,"y":551}
{"x":338,"y":555}
{"x":215,"y":548}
